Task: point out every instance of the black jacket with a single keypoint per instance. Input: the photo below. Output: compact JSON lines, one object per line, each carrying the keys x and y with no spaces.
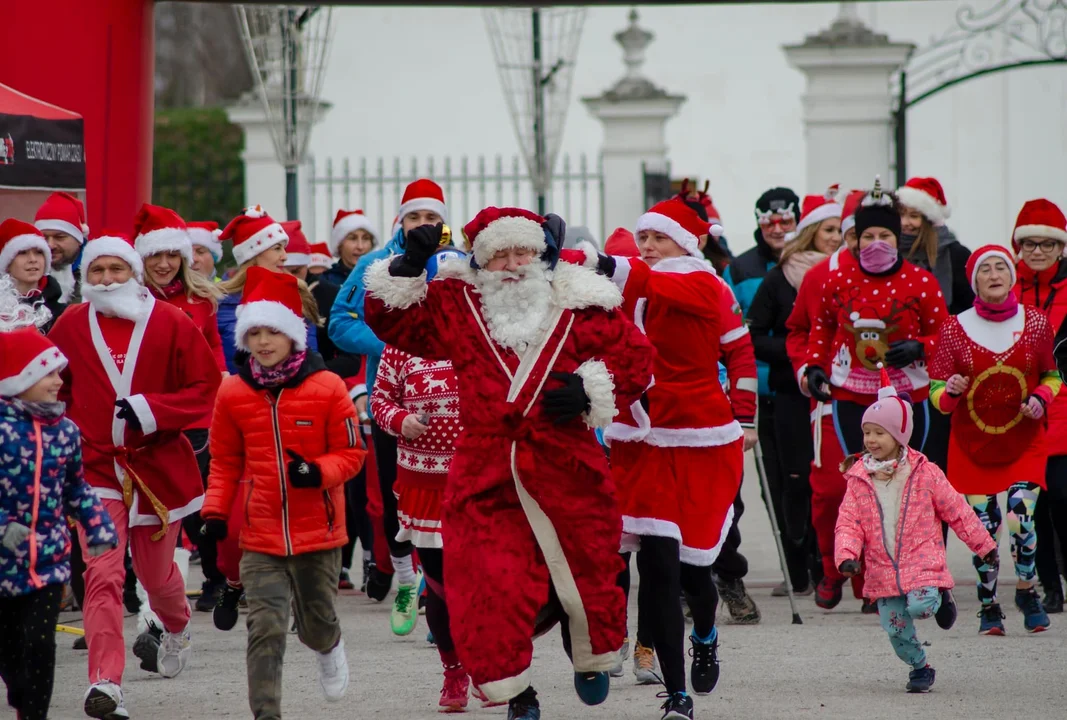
{"x":49,"y":297}
{"x":770,"y":308}
{"x":342,"y":363}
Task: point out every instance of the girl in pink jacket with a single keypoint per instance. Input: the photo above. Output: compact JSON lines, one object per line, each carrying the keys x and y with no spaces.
{"x":891,"y":516}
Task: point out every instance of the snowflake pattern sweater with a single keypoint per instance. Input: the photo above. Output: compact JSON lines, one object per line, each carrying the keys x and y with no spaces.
{"x":410,"y":385}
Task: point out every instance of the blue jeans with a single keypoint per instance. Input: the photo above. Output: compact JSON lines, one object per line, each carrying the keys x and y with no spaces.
{"x":898,"y":615}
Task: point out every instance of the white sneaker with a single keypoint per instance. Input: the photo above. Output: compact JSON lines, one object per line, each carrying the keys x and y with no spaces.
{"x":174,"y":652}
{"x":103,"y":700}
{"x":624,"y":655}
{"x":333,"y":672}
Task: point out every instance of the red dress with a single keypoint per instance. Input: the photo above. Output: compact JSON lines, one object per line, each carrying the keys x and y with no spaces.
{"x":992,"y":444}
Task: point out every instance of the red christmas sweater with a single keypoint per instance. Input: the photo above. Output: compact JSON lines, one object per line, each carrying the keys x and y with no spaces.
{"x":409,"y":385}
{"x":806,"y":308}
{"x":861,"y":315}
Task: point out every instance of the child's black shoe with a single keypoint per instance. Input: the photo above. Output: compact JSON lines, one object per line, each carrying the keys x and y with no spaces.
{"x":920,"y":681}
{"x":225,"y":613}
{"x":946,"y":614}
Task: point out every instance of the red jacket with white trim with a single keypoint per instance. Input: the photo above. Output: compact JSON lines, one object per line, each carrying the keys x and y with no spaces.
{"x":806,"y":309}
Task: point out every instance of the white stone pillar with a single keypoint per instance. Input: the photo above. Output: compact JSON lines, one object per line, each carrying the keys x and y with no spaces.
{"x":848,"y":102}
{"x":634,"y":113}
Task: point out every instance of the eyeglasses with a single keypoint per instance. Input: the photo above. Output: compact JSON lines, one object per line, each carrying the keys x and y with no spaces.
{"x":1045,"y":245}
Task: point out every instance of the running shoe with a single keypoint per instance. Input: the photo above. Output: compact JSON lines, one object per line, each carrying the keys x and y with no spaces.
{"x":704,"y":672}
{"x":175,"y":649}
{"x":678,"y":706}
{"x":455,"y":691}
{"x":524,"y":706}
{"x":742,"y":608}
{"x":1053,"y":600}
{"x":645,"y":665}
{"x":1035,"y":619}
{"x":992,"y":618}
{"x":103,"y":700}
{"x":405,"y":615}
{"x":920,"y":681}
{"x":333,"y":672}
{"x":869,"y":607}
{"x":624,"y":654}
{"x":828,"y":593}
{"x":368,"y":565}
{"x":946,"y":614}
{"x":345,"y":582}
{"x":378,"y":584}
{"x":209,"y":596}
{"x":592,"y":687}
{"x":225,"y":613}
{"x":146,"y":647}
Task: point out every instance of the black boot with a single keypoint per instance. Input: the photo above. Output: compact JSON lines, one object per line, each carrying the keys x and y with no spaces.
{"x":379,"y":584}
{"x":1053,"y":600}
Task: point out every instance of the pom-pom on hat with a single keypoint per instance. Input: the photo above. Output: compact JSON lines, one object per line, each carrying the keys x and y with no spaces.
{"x":26,"y":358}
{"x":321,"y":257}
{"x":848,"y":210}
{"x":63,"y":212}
{"x":925,"y":195}
{"x":253,"y":232}
{"x":205,"y":233}
{"x":878,"y":208}
{"x":891,"y":412}
{"x":423,"y":194}
{"x":347,"y":221}
{"x":817,"y":208}
{"x":298,"y":251}
{"x":1039,"y":218}
{"x":984,"y":253}
{"x":495,"y":229}
{"x":18,"y":237}
{"x":158,"y":229}
{"x":271,"y":299}
{"x":680,"y":223}
{"x":113,"y":244}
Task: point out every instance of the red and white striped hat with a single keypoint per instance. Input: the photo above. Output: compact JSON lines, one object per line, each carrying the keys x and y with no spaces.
{"x":984,"y":253}
{"x":679,"y":222}
{"x":158,"y":229}
{"x":253,"y":232}
{"x":18,"y":237}
{"x":1039,"y":218}
{"x":321,"y":257}
{"x":926,"y":195}
{"x":26,"y":358}
{"x":205,"y":233}
{"x":298,"y":251}
{"x":113,"y":244}
{"x":423,"y":194}
{"x":271,"y":299}
{"x":347,"y":221}
{"x":63,"y":212}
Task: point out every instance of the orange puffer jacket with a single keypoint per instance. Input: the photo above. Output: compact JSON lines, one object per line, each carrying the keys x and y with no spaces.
{"x":252,"y":428}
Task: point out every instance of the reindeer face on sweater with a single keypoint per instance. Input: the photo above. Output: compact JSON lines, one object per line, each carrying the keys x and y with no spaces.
{"x":872,"y":327}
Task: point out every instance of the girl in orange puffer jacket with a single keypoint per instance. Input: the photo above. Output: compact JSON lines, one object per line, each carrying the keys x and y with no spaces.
{"x":284,"y":436}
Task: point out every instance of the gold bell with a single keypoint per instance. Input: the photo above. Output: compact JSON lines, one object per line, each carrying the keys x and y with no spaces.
{"x":446,"y":236}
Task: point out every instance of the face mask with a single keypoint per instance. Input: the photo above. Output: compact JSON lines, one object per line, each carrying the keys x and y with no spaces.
{"x":878,"y":257}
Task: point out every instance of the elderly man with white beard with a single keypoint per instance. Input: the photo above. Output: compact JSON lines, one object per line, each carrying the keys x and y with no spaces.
{"x":543,"y":357}
{"x":141,"y":372}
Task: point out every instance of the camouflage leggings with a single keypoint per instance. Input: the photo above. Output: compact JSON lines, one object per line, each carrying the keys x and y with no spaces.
{"x":308,"y":582}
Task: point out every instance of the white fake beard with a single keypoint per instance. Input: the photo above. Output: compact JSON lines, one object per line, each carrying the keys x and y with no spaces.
{"x":515,"y":305}
{"x":128,"y":300}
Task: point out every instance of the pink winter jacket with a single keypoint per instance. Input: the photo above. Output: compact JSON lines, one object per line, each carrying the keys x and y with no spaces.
{"x":920,"y":552}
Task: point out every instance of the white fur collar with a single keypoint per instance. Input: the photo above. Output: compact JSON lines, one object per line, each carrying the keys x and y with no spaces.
{"x":574,"y":287}
{"x":683,"y":265}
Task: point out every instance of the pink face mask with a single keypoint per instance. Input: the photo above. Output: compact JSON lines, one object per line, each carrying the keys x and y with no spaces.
{"x":878,"y":257}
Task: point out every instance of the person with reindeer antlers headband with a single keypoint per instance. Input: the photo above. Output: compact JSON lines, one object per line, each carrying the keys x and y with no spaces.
{"x":879,"y":310}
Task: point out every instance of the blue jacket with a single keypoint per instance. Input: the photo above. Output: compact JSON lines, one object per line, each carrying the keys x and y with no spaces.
{"x":227,"y":320}
{"x":60,"y":490}
{"x":744,"y":275}
{"x":348,"y":330}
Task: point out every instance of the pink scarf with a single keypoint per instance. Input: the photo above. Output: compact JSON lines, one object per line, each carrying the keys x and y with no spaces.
{"x":281,"y":373}
{"x":797,"y":265}
{"x":997,"y":312}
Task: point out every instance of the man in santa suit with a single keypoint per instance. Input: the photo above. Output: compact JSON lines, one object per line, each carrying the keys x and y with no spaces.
{"x":143,"y":373}
{"x":542,"y":354}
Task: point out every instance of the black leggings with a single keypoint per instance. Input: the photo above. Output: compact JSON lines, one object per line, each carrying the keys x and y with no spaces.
{"x":792,"y":429}
{"x":385,"y":457}
{"x":432,"y":561}
{"x":357,"y":522}
{"x":663,"y":578}
{"x":1050,"y":521}
{"x":191,"y":524}
{"x":28,"y":649}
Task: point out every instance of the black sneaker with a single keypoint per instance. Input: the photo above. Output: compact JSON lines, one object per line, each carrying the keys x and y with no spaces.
{"x":368,"y":565}
{"x":80,"y":643}
{"x":225,"y":613}
{"x":869,"y":607}
{"x":130,"y":601}
{"x":524,"y":706}
{"x":209,"y":596}
{"x":704,"y":673}
{"x":679,"y":706}
{"x":946,"y":614}
{"x":1053,"y":601}
{"x":742,"y":608}
{"x":146,"y":647}
{"x":920,"y":681}
{"x":379,"y":584}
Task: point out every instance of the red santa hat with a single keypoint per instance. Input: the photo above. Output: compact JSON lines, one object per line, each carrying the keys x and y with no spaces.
{"x":113,"y":244}
{"x":18,"y":237}
{"x":158,"y":229}
{"x":423,"y":194}
{"x":680,"y":223}
{"x":621,"y":243}
{"x":817,"y":208}
{"x":1039,"y":218}
{"x":205,"y":233}
{"x":495,"y":229}
{"x":271,"y":299}
{"x":926,"y":196}
{"x":890,"y":411}
{"x":253,"y":232}
{"x":63,"y":212}
{"x":321,"y":257}
{"x":298,"y":251}
{"x":26,"y":358}
{"x":347,"y":221}
{"x":984,"y":253}
{"x":848,"y":210}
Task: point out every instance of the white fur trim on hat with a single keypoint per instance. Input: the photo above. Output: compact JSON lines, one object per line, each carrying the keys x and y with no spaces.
{"x":207,"y":239}
{"x":848,"y":223}
{"x":1003,"y":254}
{"x":861,"y":322}
{"x":165,"y":240}
{"x":78,"y":233}
{"x":396,"y":293}
{"x":41,"y":366}
{"x":672,"y":229}
{"x":297,"y":259}
{"x":416,"y":204}
{"x":823,"y":212}
{"x":260,"y":243}
{"x":348,"y":224}
{"x":600,"y":389}
{"x":273,"y":315}
{"x":934,"y":211}
{"x":22,"y":243}
{"x":1023,"y":231}
{"x":105,"y":246}
{"x":507,"y":233}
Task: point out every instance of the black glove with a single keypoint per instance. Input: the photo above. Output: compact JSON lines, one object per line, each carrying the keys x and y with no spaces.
{"x":568,"y":402}
{"x":215,"y":529}
{"x":903,"y":353}
{"x":303,"y":474}
{"x":126,"y":413}
{"x":557,"y":227}
{"x":605,"y":265}
{"x":419,"y":246}
{"x":849,"y":568}
{"x":817,"y":380}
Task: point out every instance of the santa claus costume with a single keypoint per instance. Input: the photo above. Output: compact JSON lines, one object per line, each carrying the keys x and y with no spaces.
{"x":1002,"y":353}
{"x":64,"y":213}
{"x":542,"y":354}
{"x":875,"y":308}
{"x":144,"y":373}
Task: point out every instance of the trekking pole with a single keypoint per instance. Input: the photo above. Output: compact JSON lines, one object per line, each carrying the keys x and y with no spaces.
{"x":757,"y":451}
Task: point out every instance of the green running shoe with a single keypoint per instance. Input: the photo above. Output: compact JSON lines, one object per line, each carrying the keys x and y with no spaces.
{"x":405,"y":615}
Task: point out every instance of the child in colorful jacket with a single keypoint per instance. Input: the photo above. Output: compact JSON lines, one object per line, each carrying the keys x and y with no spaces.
{"x":891,"y":515}
{"x":41,"y":483}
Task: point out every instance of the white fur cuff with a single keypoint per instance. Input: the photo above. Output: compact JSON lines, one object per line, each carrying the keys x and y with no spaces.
{"x":143,"y":411}
{"x":599,"y":386}
{"x":398,"y":293}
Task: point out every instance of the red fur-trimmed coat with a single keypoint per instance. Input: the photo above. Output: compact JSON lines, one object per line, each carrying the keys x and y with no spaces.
{"x":526,"y":500}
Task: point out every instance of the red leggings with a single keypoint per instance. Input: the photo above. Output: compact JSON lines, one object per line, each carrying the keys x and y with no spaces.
{"x":827,"y":491}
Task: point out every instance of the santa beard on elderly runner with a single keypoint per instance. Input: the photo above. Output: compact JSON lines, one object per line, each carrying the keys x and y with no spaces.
{"x":127,"y":300}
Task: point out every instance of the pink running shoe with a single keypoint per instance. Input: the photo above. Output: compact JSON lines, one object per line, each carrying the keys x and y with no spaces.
{"x":455,"y":690}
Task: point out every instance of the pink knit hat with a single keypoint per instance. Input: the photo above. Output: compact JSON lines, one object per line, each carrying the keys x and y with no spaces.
{"x":891,"y":412}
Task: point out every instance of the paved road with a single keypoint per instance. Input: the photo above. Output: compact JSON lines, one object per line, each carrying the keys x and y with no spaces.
{"x":835,"y":665}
